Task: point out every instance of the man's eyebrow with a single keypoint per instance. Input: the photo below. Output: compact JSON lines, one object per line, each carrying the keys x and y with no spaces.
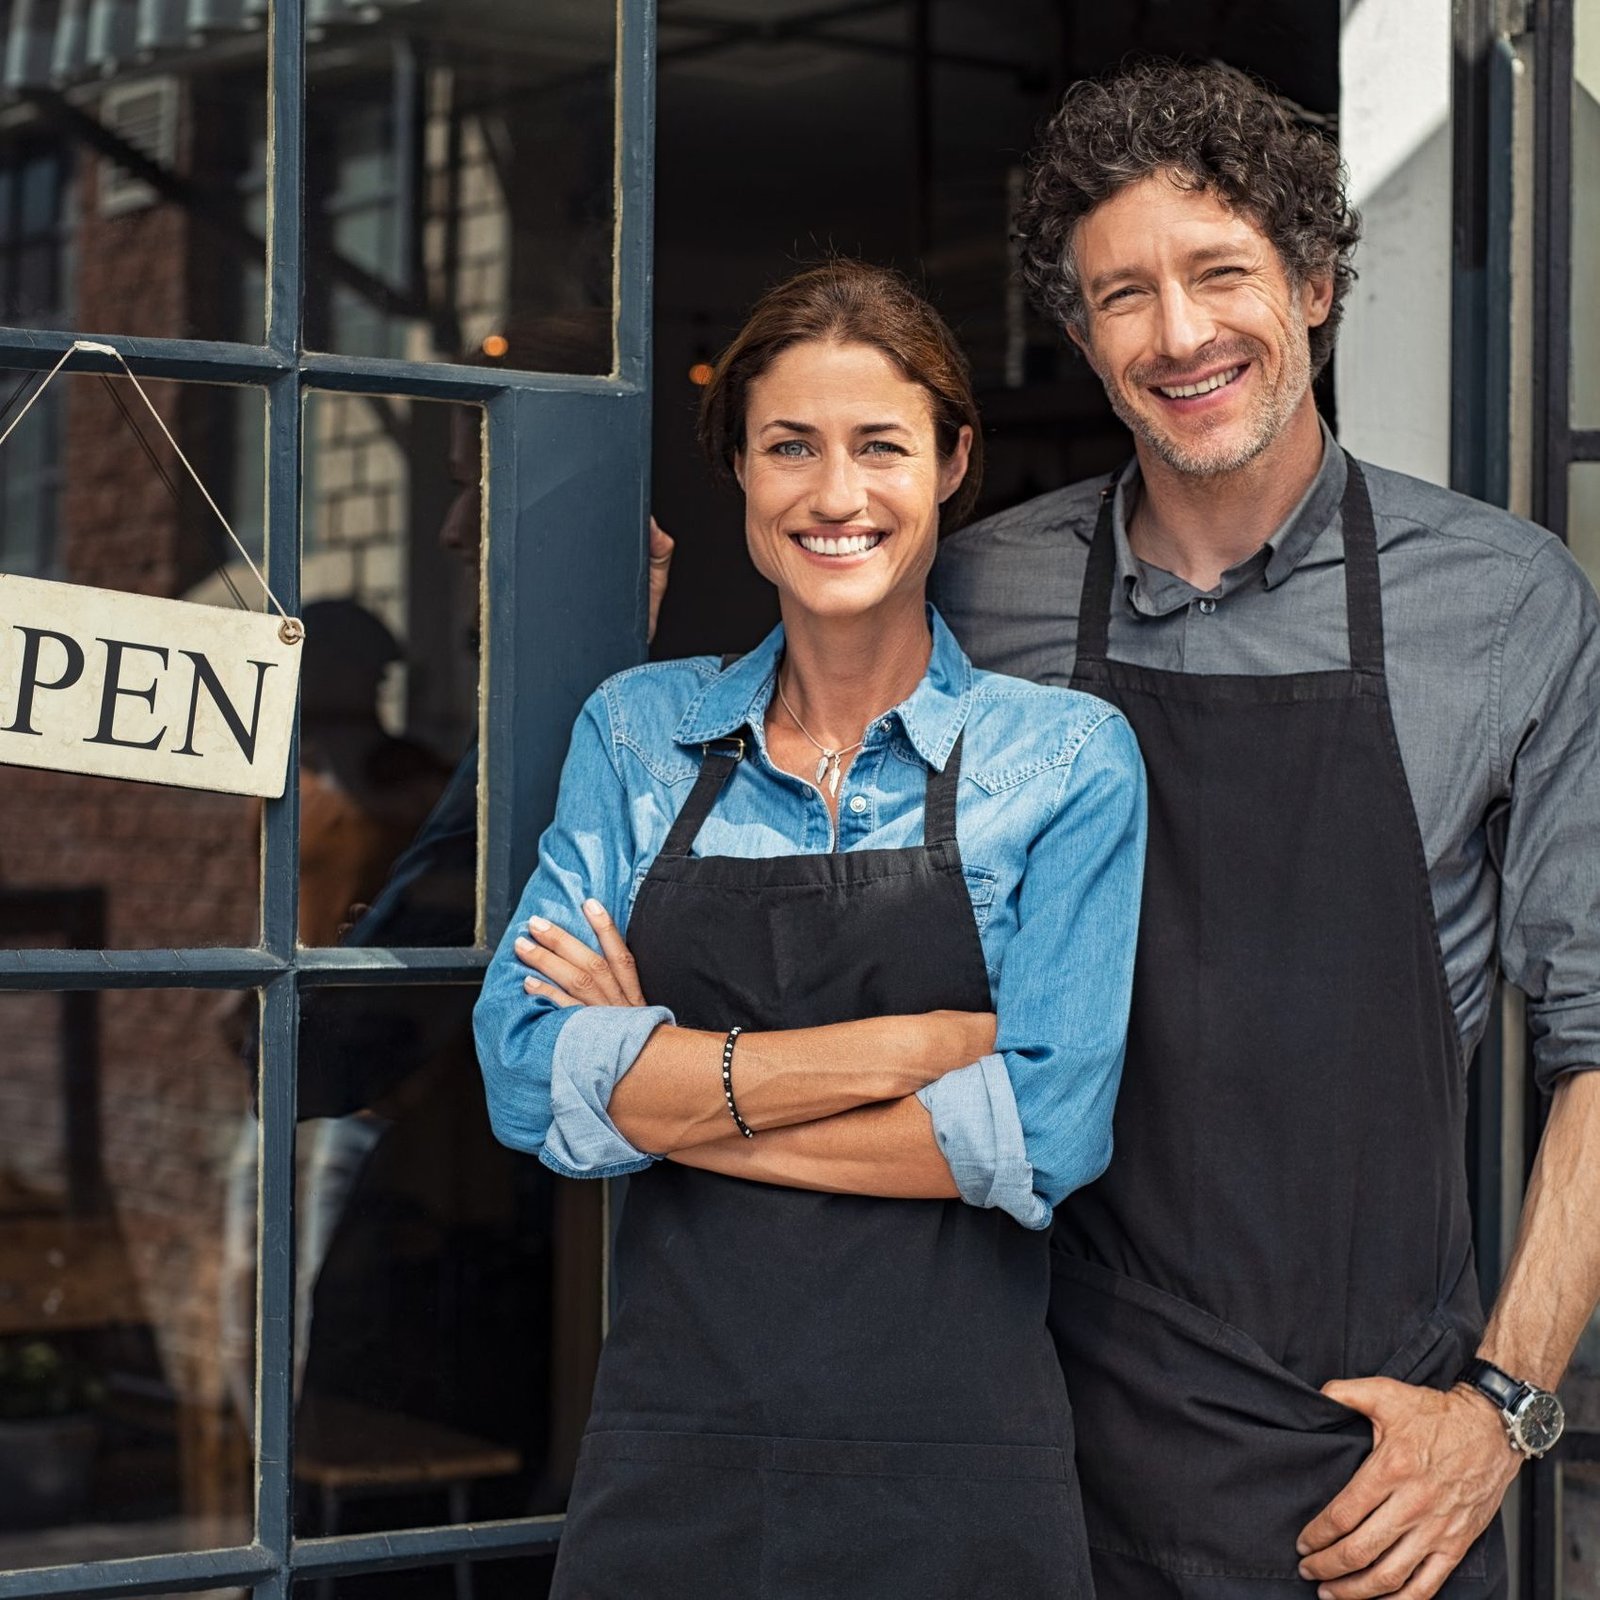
{"x":1196,"y":258}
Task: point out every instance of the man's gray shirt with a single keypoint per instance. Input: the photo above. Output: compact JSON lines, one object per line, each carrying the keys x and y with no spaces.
{"x":1492,"y":640}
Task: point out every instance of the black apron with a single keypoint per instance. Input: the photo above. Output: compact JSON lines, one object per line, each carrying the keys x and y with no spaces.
{"x":809,"y":1394}
{"x":1287,"y":1199}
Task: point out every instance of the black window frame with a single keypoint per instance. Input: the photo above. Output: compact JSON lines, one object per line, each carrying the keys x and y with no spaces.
{"x":567,"y":492}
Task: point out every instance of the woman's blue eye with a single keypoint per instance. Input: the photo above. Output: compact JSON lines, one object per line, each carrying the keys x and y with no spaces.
{"x":886,"y":446}
{"x":791,"y":448}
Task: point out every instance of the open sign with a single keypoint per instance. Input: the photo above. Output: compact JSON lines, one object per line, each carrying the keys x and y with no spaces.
{"x":130,"y":686}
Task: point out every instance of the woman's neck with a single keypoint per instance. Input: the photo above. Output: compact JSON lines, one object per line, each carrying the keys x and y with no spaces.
{"x":838,"y":673}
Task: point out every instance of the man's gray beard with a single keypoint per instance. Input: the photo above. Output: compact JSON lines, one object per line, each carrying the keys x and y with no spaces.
{"x":1270,"y":419}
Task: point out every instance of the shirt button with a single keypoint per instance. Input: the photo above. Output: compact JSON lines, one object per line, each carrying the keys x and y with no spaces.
{"x":858,"y":803}
{"x":1207,"y":607}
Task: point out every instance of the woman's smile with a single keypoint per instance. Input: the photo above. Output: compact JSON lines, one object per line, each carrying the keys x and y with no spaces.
{"x":837,"y":546}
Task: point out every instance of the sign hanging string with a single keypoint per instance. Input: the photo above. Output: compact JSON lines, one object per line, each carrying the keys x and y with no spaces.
{"x":292,"y":630}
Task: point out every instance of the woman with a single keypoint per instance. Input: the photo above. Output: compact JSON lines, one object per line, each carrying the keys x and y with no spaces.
{"x":836,"y":859}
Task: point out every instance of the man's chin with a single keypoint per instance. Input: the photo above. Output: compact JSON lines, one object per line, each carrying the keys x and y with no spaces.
{"x":1207,"y":455}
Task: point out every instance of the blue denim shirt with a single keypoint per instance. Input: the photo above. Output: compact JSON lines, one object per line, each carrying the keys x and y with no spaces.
{"x":1051,"y":823}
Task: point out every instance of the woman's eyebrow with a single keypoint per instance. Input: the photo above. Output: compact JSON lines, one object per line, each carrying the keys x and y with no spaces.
{"x":788,"y":427}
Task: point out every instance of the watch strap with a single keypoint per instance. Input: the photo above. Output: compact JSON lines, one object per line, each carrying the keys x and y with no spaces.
{"x":1498,"y":1387}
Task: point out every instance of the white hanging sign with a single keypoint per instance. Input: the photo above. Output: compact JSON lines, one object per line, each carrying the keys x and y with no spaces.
{"x":129,"y":686}
{"x":133,"y":686}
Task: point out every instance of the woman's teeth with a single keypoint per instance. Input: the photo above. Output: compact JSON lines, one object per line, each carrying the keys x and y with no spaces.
{"x":855,"y":544}
{"x":1184,"y":390}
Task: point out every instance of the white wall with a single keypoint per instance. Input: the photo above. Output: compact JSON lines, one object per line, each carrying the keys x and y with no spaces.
{"x":1392,"y":362}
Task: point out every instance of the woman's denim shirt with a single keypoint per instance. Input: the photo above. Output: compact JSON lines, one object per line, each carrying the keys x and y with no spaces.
{"x":1051,"y":823}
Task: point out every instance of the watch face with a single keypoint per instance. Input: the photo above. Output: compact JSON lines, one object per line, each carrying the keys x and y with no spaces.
{"x":1539,"y":1421}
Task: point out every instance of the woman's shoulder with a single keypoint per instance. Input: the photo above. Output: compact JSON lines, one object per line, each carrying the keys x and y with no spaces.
{"x":642,"y":707}
{"x":1018,"y":729}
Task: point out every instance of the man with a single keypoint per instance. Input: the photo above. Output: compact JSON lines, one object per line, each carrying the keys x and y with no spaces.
{"x":1370,"y":710}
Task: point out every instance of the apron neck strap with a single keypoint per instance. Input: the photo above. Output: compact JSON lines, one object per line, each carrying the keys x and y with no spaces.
{"x":718,"y":759}
{"x":939,"y":801}
{"x":1099,"y":578}
{"x":1363,"y":594}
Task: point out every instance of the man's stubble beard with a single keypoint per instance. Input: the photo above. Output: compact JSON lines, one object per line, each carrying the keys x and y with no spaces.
{"x":1270,"y":415}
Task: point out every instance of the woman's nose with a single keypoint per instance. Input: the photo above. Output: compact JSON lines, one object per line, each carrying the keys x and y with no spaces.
{"x":840,"y":492}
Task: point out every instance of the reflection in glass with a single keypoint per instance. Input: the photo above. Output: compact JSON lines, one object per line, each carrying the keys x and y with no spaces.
{"x":126,"y":136}
{"x":1583,"y":516}
{"x":388,"y":776}
{"x":1586,"y":216}
{"x":449,"y":1289}
{"x":91,"y":493}
{"x":126,"y":1377}
{"x":516,"y":1578}
{"x":460,"y":166}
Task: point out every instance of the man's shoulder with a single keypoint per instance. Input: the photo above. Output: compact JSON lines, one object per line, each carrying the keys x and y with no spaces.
{"x":1400,"y":501}
{"x":1048,"y":520}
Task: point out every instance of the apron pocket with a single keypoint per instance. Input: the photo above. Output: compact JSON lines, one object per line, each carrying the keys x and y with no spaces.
{"x":923,"y":1521}
{"x":1199,"y":1454}
{"x":671,"y":1516}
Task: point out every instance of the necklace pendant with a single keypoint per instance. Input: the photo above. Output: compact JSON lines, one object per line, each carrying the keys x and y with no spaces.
{"x":822,"y":766}
{"x":833,"y":779}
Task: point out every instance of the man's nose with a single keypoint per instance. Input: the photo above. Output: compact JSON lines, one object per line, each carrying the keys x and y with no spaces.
{"x":1183,"y":325}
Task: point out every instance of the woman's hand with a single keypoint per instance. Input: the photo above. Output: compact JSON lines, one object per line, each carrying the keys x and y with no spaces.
{"x":570,"y":973}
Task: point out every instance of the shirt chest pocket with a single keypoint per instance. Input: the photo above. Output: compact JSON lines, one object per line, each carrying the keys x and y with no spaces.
{"x":980,"y":890}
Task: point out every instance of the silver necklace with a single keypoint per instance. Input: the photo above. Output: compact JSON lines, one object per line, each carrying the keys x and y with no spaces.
{"x":828,"y":766}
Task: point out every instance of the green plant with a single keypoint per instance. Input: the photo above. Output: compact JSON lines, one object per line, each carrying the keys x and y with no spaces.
{"x":38,"y":1380}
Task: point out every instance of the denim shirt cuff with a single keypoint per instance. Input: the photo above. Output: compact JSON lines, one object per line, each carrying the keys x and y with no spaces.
{"x":596,"y":1046}
{"x":975,"y":1120}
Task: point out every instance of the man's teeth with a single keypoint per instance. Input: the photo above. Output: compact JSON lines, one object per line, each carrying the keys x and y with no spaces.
{"x":855,"y":544}
{"x":1205,"y":386}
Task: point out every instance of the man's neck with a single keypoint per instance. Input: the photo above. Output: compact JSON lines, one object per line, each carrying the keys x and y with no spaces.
{"x":1197,"y":528}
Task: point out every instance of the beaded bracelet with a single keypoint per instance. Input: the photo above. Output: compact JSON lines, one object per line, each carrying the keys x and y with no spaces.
{"x":727,"y":1082}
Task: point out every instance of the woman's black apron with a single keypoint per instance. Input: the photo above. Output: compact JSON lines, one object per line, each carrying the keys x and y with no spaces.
{"x":807,"y":1394}
{"x":1287,"y":1199}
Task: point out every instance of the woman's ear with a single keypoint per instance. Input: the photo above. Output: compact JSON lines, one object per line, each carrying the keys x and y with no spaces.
{"x":953,"y":469}
{"x":738,"y":467}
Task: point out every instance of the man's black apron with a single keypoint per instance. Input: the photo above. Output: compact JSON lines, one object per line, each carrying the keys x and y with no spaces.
{"x":1287,"y":1199}
{"x":806,"y":1394}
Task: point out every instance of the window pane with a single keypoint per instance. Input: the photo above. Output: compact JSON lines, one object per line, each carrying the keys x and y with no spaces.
{"x":80,"y":501}
{"x":460,"y":169}
{"x":389,"y":695}
{"x":127,"y":1263}
{"x":98,"y":244}
{"x":449,"y":1288}
{"x":513,"y":1578}
{"x":1586,"y":217}
{"x":1583,"y":516}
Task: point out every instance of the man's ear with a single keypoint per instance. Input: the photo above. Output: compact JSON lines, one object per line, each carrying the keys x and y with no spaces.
{"x":1317,"y":298}
{"x":1080,"y":339}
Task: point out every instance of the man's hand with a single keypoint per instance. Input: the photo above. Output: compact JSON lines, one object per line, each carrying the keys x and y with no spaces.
{"x":1439,"y":1468}
{"x":660,"y":570}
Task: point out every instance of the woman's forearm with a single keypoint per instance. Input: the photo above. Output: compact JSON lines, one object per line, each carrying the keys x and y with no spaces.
{"x":886,"y":1150}
{"x":671,"y":1097}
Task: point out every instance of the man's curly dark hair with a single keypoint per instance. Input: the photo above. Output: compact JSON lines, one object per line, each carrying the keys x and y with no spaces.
{"x":1211,"y":127}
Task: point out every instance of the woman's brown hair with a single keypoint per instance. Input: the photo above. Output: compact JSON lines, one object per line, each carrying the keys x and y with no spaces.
{"x":849,"y":302}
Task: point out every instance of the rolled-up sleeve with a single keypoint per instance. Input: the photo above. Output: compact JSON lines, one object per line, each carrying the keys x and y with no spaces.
{"x":1025,"y":1127}
{"x":549,"y":1071}
{"x":1550,"y":866}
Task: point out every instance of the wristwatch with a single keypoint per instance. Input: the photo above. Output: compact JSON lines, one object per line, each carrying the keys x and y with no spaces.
{"x":1533,"y":1416}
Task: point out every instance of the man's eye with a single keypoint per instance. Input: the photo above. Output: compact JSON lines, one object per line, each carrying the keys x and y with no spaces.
{"x":1224,"y":272}
{"x":1118,"y":294}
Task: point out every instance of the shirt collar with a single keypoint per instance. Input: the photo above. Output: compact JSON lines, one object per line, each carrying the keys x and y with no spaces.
{"x":1154,"y":592}
{"x":931,"y":717}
